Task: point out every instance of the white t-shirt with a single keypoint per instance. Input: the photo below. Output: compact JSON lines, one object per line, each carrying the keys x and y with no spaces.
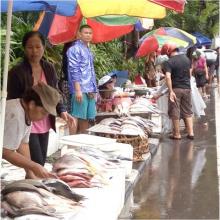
{"x":16,"y":131}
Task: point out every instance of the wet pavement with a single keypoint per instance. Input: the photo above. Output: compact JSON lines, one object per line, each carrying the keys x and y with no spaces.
{"x":181,"y":181}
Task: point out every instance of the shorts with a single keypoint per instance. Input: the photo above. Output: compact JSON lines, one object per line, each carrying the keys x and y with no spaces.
{"x":182,"y":107}
{"x":200,"y":80}
{"x":83,"y":110}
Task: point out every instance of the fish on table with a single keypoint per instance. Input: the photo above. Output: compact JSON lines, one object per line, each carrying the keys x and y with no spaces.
{"x":43,"y":197}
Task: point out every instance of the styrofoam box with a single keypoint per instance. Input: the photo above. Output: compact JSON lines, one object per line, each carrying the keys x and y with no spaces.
{"x":86,"y":140}
{"x":156,"y":118}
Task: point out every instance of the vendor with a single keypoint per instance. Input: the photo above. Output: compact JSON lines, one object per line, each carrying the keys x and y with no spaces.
{"x":37,"y":102}
{"x":106,"y":86}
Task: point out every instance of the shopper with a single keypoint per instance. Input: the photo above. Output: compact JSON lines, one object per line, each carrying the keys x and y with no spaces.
{"x":29,"y":72}
{"x":200,"y":71}
{"x":82,"y":79}
{"x":177,"y":70}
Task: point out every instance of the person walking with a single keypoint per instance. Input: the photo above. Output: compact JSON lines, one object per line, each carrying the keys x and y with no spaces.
{"x":200,"y":71}
{"x":82,"y":79}
{"x":23,"y":76}
{"x":177,"y":70}
{"x":35,"y":105}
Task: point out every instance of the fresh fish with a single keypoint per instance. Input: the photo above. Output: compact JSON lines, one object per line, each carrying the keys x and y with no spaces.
{"x":22,"y":199}
{"x":107,"y":121}
{"x":19,"y":186}
{"x":70,"y":170}
{"x":68,"y":161}
{"x":6,"y":209}
{"x":31,"y":211}
{"x":35,"y":182}
{"x":61,"y":188}
{"x":79,"y":184}
{"x":61,"y":204}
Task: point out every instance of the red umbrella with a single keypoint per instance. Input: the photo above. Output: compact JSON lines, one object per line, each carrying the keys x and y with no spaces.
{"x":61,"y":29}
{"x":148,"y":46}
{"x":176,"y":5}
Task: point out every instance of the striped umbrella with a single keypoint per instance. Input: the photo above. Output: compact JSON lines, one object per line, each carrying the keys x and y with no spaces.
{"x":61,"y":29}
{"x":176,"y":5}
{"x":172,"y":32}
{"x":151,"y":43}
{"x":138,"y":8}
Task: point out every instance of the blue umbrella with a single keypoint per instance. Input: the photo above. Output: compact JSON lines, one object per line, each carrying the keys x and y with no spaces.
{"x":202,"y":39}
{"x":61,"y":7}
{"x":122,"y":77}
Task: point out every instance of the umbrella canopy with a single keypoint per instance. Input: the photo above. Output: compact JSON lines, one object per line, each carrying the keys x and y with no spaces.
{"x":176,"y":5}
{"x":153,"y":42}
{"x":173,"y":32}
{"x":138,"y":8}
{"x":61,"y":29}
{"x":62,"y":7}
{"x":202,"y":39}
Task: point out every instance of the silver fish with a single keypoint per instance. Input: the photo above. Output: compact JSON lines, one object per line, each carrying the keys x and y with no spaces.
{"x":61,"y":188}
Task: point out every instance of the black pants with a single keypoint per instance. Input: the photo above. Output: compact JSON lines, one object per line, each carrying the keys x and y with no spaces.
{"x":38,"y":147}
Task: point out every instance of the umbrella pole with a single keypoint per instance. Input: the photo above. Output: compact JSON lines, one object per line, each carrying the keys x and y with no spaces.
{"x":5,"y":76}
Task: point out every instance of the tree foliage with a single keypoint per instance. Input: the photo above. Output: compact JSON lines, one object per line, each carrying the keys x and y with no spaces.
{"x":199,"y":15}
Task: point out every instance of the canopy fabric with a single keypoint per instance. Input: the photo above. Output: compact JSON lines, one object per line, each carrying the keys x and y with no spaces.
{"x":202,"y":39}
{"x":61,"y":7}
{"x":176,"y":5}
{"x":104,"y":33}
{"x":138,"y":8}
{"x":62,"y":29}
{"x":173,"y":32}
{"x":153,"y":42}
{"x":114,"y":20}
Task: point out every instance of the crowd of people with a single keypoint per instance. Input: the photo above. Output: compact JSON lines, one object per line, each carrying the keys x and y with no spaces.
{"x":34,"y":99}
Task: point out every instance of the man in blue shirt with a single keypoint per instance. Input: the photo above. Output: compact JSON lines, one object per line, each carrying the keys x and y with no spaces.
{"x":82,"y":79}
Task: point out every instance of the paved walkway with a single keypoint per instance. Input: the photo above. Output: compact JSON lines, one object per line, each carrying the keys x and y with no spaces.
{"x":182,"y":181}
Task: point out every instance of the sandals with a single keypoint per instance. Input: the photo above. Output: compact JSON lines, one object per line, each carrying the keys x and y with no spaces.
{"x":174,"y":138}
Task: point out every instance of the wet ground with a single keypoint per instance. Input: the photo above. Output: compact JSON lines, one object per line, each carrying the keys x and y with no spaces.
{"x":181,"y":181}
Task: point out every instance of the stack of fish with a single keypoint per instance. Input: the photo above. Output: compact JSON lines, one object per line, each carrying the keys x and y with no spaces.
{"x":143,"y":105}
{"x":51,"y":197}
{"x":83,"y":169}
{"x":133,"y":125}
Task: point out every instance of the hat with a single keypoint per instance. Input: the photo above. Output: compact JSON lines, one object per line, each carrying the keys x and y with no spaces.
{"x":49,"y":97}
{"x":104,"y":80}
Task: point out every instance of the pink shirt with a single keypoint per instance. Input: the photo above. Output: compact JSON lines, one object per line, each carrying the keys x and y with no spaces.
{"x":42,"y":126}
